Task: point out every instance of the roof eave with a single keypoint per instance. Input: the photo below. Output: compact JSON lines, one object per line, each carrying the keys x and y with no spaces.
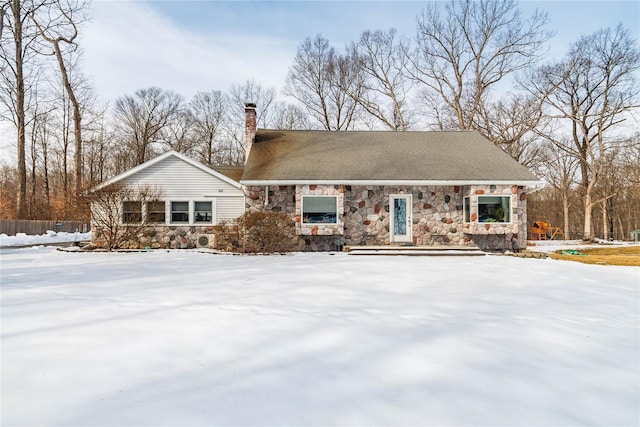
{"x":421,"y":182}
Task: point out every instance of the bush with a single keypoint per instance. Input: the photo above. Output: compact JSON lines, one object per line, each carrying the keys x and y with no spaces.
{"x":227,"y":237}
{"x":107,"y":214}
{"x":265,"y":232}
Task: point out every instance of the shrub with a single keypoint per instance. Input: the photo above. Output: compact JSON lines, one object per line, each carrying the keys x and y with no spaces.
{"x":265,"y":232}
{"x":227,"y":237}
{"x":107,"y":214}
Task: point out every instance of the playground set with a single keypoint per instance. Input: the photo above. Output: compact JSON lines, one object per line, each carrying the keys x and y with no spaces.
{"x":542,"y":230}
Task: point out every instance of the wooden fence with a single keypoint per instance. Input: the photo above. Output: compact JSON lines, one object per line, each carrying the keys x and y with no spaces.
{"x":11,"y":227}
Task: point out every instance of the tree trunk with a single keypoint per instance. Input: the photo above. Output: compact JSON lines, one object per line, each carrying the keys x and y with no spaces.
{"x":65,"y":148}
{"x":77,"y":119}
{"x":47,"y":191}
{"x":587,"y":231}
{"x":34,"y":156}
{"x":605,"y":221}
{"x":565,"y":214}
{"x":21,"y":211}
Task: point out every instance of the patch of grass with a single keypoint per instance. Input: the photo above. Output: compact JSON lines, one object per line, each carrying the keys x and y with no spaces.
{"x":610,"y":255}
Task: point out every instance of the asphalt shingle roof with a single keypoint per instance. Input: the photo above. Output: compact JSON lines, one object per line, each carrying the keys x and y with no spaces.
{"x":233,"y":172}
{"x":289,"y":156}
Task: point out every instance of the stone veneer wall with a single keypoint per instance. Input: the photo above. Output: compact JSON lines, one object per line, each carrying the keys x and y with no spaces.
{"x":166,"y":237}
{"x":496,"y":236}
{"x":364,"y":215}
{"x":436,"y":214}
{"x":363,"y":218}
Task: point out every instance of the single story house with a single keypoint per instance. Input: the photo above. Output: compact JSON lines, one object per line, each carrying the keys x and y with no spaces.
{"x":385,"y":188}
{"x":192,"y":199}
{"x":340,"y":188}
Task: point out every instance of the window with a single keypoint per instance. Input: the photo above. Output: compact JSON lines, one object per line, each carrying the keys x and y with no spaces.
{"x":319,"y":209}
{"x":494,"y":209}
{"x":156,"y":212}
{"x":203,"y":212}
{"x":180,"y":212}
{"x":131,"y":212}
{"x":467,"y":209}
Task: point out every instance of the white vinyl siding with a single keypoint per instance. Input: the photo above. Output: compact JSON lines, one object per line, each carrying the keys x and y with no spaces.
{"x":228,"y":208}
{"x":179,"y":181}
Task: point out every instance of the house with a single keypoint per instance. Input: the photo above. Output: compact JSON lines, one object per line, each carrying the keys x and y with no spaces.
{"x":192,"y":200}
{"x":385,"y":188}
{"x":340,"y":188}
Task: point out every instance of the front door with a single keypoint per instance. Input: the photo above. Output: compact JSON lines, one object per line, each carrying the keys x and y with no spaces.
{"x":400,"y":207}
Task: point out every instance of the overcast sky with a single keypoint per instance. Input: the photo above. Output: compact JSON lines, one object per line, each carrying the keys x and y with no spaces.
{"x":187,"y":46}
{"x":202,"y":45}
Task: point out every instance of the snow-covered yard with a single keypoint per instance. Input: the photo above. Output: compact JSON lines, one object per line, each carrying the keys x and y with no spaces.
{"x":22,"y":239}
{"x":180,"y":338}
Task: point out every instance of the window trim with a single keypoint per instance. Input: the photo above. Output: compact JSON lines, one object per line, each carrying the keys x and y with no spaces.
{"x":466,"y":210}
{"x":171,"y":211}
{"x":147,"y":213}
{"x":212,"y":211}
{"x":333,"y":196}
{"x":508,"y":211}
{"x":144,"y":212}
{"x":125,"y":212}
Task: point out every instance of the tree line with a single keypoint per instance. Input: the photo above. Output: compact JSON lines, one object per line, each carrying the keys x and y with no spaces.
{"x":471,"y":65}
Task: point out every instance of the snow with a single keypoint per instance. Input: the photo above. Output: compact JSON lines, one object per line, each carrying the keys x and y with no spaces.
{"x":184,"y":338}
{"x":51,"y":237}
{"x":556,"y":245}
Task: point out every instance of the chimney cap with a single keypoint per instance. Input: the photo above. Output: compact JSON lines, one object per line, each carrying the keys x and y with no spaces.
{"x":250,"y":105}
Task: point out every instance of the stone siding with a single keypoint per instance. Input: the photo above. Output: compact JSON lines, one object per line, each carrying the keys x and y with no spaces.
{"x":436,"y":214}
{"x":364,"y":218}
{"x":499,"y":236}
{"x":168,"y":237}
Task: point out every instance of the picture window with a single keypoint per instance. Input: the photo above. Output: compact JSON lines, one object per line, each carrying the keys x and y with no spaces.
{"x":494,"y":209}
{"x":319,"y":209}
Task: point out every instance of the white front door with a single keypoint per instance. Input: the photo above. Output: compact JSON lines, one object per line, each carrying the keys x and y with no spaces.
{"x":400,"y":207}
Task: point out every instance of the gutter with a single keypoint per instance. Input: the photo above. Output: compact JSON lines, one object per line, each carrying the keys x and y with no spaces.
{"x":524,"y":183}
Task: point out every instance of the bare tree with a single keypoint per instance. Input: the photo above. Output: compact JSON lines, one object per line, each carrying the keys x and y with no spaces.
{"x":61,"y":30}
{"x":629,"y":194}
{"x":513,"y":123}
{"x":98,"y":143}
{"x":289,"y":117}
{"x":179,"y":132}
{"x":384,"y":89}
{"x":115,"y":226}
{"x":142,"y":118}
{"x":43,"y":136}
{"x":252,"y":91}
{"x":209,"y":112}
{"x":325,"y":83}
{"x":466,"y":51}
{"x":17,"y":34}
{"x":240,"y":94}
{"x":559,"y":171}
{"x":593,"y":91}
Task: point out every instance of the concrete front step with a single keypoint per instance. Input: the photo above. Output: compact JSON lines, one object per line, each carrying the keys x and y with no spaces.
{"x":412,"y":250}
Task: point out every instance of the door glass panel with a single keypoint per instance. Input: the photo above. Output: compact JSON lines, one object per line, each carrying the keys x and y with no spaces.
{"x":400,"y":217}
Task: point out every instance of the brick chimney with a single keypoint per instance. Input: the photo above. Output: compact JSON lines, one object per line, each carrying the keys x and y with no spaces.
{"x":249,"y":128}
